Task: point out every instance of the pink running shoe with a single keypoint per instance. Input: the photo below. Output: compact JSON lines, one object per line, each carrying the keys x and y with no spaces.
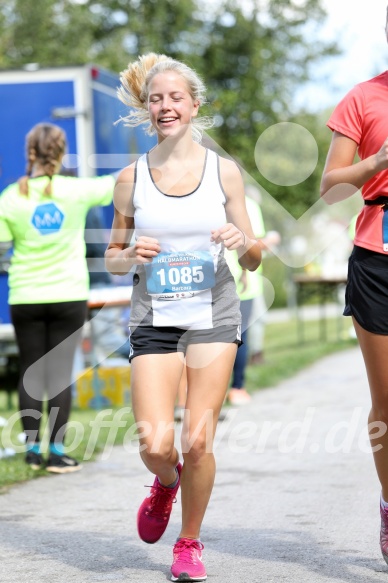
{"x":384,"y":533}
{"x":187,"y":564}
{"x":155,"y":510}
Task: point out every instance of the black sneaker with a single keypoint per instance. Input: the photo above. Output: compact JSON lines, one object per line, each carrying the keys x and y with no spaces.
{"x":62,"y":464}
{"x":34,"y":460}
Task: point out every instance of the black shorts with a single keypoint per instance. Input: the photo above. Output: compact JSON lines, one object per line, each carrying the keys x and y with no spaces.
{"x":366,"y":297}
{"x":166,"y":339}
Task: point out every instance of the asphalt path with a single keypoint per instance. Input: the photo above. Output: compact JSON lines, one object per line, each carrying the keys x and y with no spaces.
{"x":296,"y":498}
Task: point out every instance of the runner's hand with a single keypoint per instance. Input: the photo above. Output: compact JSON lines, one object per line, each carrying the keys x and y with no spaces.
{"x":230,"y":236}
{"x":143,"y":251}
{"x":382,"y":156}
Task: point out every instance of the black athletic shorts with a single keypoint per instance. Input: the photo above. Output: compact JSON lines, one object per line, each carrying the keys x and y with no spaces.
{"x":165,"y":339}
{"x":366,"y":297}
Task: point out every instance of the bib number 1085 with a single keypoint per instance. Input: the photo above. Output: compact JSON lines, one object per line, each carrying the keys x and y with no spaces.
{"x":183,"y":275}
{"x":179,"y":274}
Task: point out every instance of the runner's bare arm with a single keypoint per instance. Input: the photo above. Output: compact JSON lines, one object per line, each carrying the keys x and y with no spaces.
{"x":120,"y":256}
{"x":341,"y":178}
{"x":237,"y":233}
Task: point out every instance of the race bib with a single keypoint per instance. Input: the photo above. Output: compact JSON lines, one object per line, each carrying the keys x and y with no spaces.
{"x":175,"y":276}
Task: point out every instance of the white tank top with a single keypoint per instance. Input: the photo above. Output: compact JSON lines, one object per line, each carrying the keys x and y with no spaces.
{"x":178,"y":288}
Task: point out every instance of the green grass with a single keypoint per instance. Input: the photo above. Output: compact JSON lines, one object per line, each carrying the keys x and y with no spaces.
{"x":284,"y":355}
{"x":90,"y":432}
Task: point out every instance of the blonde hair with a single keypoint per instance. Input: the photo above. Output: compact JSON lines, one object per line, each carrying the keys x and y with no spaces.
{"x":135,"y":81}
{"x":45,"y":145}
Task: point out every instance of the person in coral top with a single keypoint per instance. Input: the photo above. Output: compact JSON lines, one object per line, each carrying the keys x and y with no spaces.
{"x":360,"y":126}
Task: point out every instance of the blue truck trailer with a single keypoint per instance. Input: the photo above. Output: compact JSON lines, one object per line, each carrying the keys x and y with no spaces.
{"x":82,"y":100}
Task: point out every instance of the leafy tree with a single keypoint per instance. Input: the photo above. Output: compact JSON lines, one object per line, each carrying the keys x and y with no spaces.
{"x":251,"y":58}
{"x":299,"y":197}
{"x":254,"y":64}
{"x":43,"y":31}
{"x":123,"y":29}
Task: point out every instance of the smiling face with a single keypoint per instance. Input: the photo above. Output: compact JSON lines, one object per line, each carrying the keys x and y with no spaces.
{"x":170,"y":104}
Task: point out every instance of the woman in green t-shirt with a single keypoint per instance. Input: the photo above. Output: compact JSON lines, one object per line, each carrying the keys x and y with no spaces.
{"x":43,"y":217}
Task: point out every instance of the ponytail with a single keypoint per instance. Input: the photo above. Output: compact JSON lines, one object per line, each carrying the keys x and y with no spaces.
{"x":135,"y":81}
{"x":45,"y":145}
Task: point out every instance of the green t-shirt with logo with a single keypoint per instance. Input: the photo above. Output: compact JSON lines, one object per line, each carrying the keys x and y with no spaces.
{"x":48,"y":264}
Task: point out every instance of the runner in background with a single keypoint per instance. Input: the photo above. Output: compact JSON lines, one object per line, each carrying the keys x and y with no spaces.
{"x":249,"y":286}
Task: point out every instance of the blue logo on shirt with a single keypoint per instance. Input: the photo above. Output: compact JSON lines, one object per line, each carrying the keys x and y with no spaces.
{"x":47,"y":218}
